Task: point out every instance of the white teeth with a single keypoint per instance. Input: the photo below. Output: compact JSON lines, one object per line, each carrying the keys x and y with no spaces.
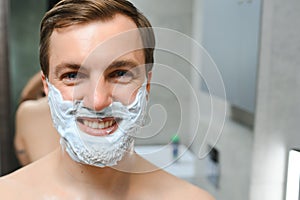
{"x":94,"y":125}
{"x":99,"y":125}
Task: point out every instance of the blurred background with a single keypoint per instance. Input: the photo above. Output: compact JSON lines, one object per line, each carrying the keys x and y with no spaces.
{"x":233,"y":143}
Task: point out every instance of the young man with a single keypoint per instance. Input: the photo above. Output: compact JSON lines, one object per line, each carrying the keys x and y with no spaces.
{"x":96,"y":72}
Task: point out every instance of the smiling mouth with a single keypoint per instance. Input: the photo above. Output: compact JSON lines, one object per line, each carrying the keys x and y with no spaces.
{"x":97,"y":127}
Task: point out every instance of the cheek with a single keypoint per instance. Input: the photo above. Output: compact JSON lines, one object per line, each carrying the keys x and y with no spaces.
{"x":126,"y":95}
{"x":67,"y":93}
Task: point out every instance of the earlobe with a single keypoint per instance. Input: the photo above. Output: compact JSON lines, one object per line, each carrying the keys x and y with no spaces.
{"x":45,"y":85}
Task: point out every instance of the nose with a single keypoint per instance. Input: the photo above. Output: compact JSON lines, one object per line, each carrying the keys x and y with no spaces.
{"x":99,"y":96}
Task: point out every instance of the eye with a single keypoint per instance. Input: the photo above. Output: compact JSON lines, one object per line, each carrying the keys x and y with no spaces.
{"x":121,"y":76}
{"x":72,"y":75}
{"x":71,"y":78}
{"x":120,"y":73}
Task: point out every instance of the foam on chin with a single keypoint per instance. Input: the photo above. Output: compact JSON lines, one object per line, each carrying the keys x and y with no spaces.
{"x":100,"y":151}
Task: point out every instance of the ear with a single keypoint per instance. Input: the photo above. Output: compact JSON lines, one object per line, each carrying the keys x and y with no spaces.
{"x":45,"y":85}
{"x":149,"y":76}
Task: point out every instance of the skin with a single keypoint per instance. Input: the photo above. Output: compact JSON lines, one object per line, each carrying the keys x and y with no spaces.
{"x":35,"y":135}
{"x":33,"y":89}
{"x":57,"y":176}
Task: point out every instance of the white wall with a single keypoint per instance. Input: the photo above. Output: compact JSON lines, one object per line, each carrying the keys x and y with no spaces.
{"x":278,"y":111}
{"x":233,"y":141}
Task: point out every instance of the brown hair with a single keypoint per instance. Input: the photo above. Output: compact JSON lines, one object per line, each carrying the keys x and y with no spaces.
{"x":70,"y":12}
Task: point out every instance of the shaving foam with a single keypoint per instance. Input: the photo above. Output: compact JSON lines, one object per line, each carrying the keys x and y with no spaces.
{"x":100,"y":151}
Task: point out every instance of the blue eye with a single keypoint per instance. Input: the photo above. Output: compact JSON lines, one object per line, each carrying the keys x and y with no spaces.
{"x":71,"y":78}
{"x":121,"y":76}
{"x":72,"y":75}
{"x":120,"y":73}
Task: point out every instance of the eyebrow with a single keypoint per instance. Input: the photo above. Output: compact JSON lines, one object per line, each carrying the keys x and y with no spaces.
{"x":122,"y":63}
{"x":63,"y":66}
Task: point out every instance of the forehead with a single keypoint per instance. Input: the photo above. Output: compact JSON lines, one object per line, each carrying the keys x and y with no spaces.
{"x":110,"y":39}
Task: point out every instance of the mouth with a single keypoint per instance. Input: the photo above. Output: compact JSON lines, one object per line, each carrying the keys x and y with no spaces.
{"x":97,"y":127}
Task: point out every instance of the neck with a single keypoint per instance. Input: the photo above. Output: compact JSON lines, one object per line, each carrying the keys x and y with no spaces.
{"x":106,"y":178}
{"x":112,"y":181}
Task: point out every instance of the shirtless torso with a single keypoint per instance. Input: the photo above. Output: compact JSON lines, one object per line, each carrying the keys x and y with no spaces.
{"x":55,"y":177}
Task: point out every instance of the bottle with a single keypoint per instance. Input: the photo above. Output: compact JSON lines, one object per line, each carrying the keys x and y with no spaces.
{"x":175,"y":146}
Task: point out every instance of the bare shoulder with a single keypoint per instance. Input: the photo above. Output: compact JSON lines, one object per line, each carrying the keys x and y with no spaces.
{"x":28,"y":112}
{"x":6,"y":186}
{"x":167,"y":186}
{"x":192,"y":192}
{"x":33,"y":106}
{"x":181,"y":189}
{"x":11,"y":187}
{"x":32,"y":110}
{"x":27,"y":182}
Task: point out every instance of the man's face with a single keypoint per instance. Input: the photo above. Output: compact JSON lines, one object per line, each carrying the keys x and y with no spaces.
{"x":97,"y":63}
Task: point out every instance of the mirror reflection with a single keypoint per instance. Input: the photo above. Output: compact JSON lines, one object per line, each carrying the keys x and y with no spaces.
{"x":221,"y":109}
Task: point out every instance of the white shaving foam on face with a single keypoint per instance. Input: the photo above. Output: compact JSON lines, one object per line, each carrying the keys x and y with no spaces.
{"x":100,"y":151}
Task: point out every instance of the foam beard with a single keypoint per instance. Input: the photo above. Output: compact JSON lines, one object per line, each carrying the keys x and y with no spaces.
{"x":100,"y":151}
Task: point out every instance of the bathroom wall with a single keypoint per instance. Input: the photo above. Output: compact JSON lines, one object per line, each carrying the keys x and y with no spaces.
{"x":217,"y":129}
{"x":25,"y":17}
{"x":278,"y":111}
{"x":231,"y":31}
{"x":5,"y":116}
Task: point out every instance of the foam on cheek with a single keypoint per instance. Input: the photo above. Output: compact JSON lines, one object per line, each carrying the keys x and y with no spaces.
{"x":99,"y":151}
